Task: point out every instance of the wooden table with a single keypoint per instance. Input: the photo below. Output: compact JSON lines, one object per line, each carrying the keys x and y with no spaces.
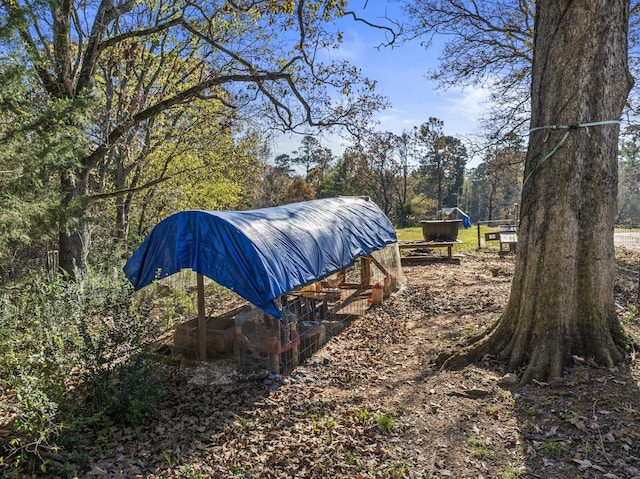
{"x":429,"y":244}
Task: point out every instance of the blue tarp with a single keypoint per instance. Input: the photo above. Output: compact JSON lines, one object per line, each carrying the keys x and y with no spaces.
{"x":466,"y":221}
{"x":261,"y":254}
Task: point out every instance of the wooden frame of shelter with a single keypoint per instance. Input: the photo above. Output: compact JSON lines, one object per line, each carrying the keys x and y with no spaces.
{"x":263,"y":254}
{"x":365,"y":283}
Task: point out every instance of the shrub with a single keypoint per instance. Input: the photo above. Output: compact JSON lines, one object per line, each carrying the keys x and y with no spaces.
{"x":72,"y":349}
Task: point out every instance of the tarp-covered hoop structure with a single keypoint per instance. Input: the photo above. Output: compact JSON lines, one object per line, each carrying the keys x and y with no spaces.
{"x":261,"y":254}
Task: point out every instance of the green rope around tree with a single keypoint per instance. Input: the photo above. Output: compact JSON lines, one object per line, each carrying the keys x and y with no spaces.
{"x":569,"y":129}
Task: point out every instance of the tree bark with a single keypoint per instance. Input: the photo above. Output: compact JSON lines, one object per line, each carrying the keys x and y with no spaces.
{"x":562,"y":301}
{"x":74,"y":236}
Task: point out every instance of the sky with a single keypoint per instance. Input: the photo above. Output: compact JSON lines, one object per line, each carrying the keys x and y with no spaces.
{"x":401,"y":74}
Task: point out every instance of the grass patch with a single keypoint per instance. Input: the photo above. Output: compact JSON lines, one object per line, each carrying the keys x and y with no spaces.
{"x":385,"y":423}
{"x":468,"y":236}
{"x":477,"y":449}
{"x":399,"y":470}
{"x":362,"y":414}
{"x":511,"y":472}
{"x":554,"y":449}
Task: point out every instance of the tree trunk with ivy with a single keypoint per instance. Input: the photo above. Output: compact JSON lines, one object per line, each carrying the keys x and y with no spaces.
{"x":74,"y":236}
{"x":562,"y":301}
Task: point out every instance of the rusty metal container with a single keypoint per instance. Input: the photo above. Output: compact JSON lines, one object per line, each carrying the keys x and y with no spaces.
{"x":440,"y":230}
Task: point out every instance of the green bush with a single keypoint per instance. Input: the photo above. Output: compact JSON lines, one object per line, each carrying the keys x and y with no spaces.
{"x":35,"y":360}
{"x":71,"y":351}
{"x":115,"y":337}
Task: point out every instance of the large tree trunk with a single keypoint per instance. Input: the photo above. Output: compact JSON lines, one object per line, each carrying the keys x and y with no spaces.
{"x":562,"y":301}
{"x":74,"y":237}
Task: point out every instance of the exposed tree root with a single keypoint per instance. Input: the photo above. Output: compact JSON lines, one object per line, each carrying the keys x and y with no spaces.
{"x":469,"y":354}
{"x":540,"y":365}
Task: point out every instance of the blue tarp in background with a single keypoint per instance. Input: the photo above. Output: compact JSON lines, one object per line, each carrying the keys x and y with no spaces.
{"x":261,"y":254}
{"x":466,"y":221}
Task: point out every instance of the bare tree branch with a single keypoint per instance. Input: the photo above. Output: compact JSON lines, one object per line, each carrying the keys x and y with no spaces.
{"x":120,"y":130}
{"x":394,"y":34}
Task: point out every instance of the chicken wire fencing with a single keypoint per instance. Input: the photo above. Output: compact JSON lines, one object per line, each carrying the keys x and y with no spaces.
{"x":627,"y":237}
{"x":311,"y":316}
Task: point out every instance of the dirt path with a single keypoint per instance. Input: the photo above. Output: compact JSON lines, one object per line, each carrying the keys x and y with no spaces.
{"x":371,"y":404}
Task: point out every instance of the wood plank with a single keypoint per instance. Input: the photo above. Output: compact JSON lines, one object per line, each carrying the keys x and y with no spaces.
{"x":202,"y":324}
{"x":429,"y":245}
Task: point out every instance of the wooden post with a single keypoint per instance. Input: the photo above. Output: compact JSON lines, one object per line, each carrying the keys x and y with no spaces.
{"x":365,"y":271}
{"x":379,"y":266}
{"x":294,"y":348}
{"x":202,"y":321}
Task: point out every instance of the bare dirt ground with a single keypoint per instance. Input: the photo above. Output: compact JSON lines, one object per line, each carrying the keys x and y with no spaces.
{"x":371,"y":403}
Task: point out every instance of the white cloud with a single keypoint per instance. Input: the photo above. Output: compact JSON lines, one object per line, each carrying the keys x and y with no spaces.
{"x":470,"y":103}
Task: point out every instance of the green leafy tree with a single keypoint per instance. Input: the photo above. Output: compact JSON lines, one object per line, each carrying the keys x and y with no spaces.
{"x":258,"y":58}
{"x":341,"y":177}
{"x":313,"y":157}
{"x":178,"y":146}
{"x":283,"y":163}
{"x":39,"y":136}
{"x":442,"y":161}
{"x":496,"y":183}
{"x":214,"y":171}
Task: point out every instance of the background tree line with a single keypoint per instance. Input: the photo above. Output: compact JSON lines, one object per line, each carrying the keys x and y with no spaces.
{"x":411,"y":176}
{"x":209,"y":166}
{"x":111,"y":123}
